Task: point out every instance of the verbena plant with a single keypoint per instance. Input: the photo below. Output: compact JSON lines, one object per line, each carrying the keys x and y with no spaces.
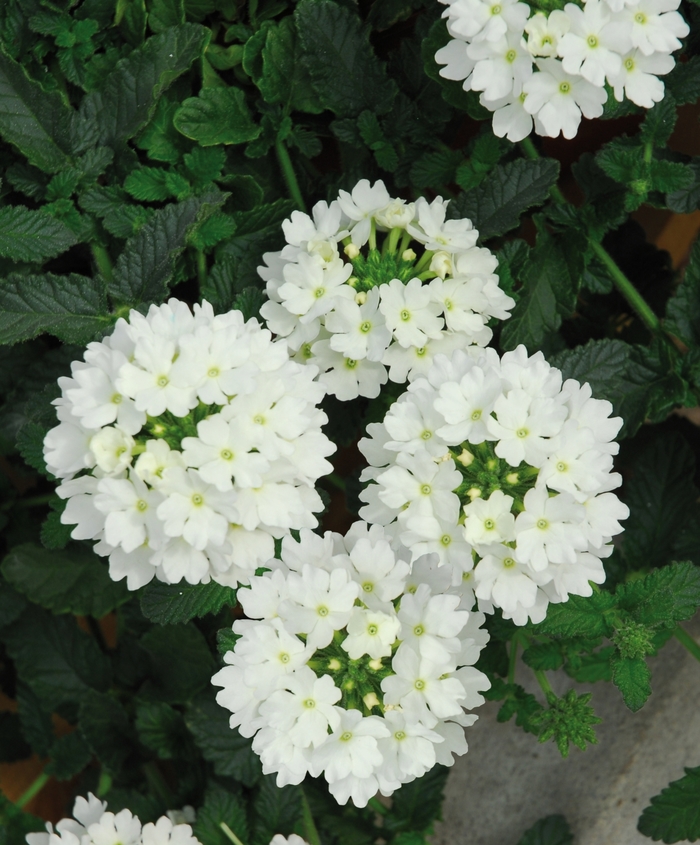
{"x":154,"y":149}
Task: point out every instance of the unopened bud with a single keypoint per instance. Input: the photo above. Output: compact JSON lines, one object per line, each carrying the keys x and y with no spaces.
{"x":371,"y":700}
{"x":351,"y":251}
{"x":474,"y":493}
{"x":361,"y":297}
{"x":512,"y":478}
{"x":334,"y":664}
{"x":408,"y":255}
{"x":375,"y":664}
{"x":466,"y":458}
{"x":441,"y":264}
{"x":352,"y":281}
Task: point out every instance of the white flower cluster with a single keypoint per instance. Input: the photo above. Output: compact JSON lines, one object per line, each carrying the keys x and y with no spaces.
{"x":92,"y":824}
{"x":187,"y":443}
{"x":380,"y":305}
{"x":352,"y":665}
{"x":552,"y":68}
{"x":504,"y":472}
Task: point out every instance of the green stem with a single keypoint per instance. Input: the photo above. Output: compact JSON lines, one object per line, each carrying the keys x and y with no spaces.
{"x":405,"y":241}
{"x":103,"y":261}
{"x":158,"y":784}
{"x":231,"y":835}
{"x":310,"y":829}
{"x":337,"y":481}
{"x":685,"y":639}
{"x":33,"y":790}
{"x":378,"y":807}
{"x":648,"y":152}
{"x":512,"y":658}
{"x":393,"y":238}
{"x":35,"y":501}
{"x":201,"y":269}
{"x":104,"y":784}
{"x":423,"y":262}
{"x":543,"y":681}
{"x":627,"y":289}
{"x":373,"y":234}
{"x":290,"y":176}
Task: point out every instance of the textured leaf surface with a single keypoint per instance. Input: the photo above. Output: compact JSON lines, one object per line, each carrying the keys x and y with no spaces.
{"x":661,"y":496}
{"x":683,"y":309}
{"x":73,"y":308}
{"x":129,"y":98}
{"x":674,"y":814}
{"x":195,"y":663}
{"x":346,"y":73}
{"x":551,"y":279}
{"x":169,"y":604}
{"x":70,"y":581}
{"x":667,"y":596}
{"x":220,"y":806}
{"x":217,"y":116}
{"x":495,"y":206}
{"x":32,"y":236}
{"x":632,"y":677}
{"x":106,"y":728}
{"x":552,"y":830}
{"x":620,"y":372}
{"x":34,"y":120}
{"x":55,"y":658}
{"x":69,"y":756}
{"x":580,"y":616}
{"x":230,"y":753}
{"x":275,"y":810}
{"x":146,"y":265}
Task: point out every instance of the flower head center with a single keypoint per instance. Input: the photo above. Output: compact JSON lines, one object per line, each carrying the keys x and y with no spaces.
{"x":350,"y":363}
{"x":592,"y":41}
{"x":561,"y":466}
{"x":319,"y":292}
{"x":284,"y":657}
{"x":489,"y":524}
{"x":542,"y":523}
{"x":365,"y":327}
{"x":309,"y":703}
{"x":405,"y":314}
{"x":162,"y":381}
{"x":213,"y":372}
{"x":419,"y":630}
{"x":141,"y":505}
{"x":565,"y":87}
{"x":346,"y":736}
{"x":445,"y":540}
{"x":508,"y":562}
{"x":197,"y":499}
{"x":400,"y":735}
{"x":419,"y":684}
{"x":116,"y":399}
{"x":368,"y":587}
{"x":226,"y":455}
{"x":640,"y":17}
{"x":476,"y":415}
{"x":511,"y":56}
{"x":522,"y":433}
{"x":322,"y":610}
{"x":426,"y":489}
{"x":373,"y":630}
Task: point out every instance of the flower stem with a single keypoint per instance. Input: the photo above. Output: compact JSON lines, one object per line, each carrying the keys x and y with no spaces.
{"x":34,"y":789}
{"x":290,"y":176}
{"x":627,"y":289}
{"x":377,"y":806}
{"x":230,"y":834}
{"x":104,"y":784}
{"x":512,"y":658}
{"x":621,"y":282}
{"x":310,"y":829}
{"x":685,"y":639}
{"x":201,"y":269}
{"x":103,"y":261}
{"x":543,"y":681}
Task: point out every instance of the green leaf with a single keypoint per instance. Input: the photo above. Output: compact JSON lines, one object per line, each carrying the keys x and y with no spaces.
{"x":633,"y":678}
{"x":171,"y":604}
{"x":670,"y":176}
{"x":683,"y":83}
{"x":69,"y":756}
{"x":495,"y":206}
{"x":345,"y":71}
{"x":160,"y":138}
{"x":148,"y":184}
{"x":34,"y":120}
{"x":55,"y":658}
{"x":146,"y":265}
{"x":551,"y":280}
{"x":205,"y":164}
{"x":661,"y":497}
{"x":165,"y":13}
{"x":195,"y":664}
{"x":226,"y":640}
{"x":544,"y":656}
{"x":624,"y":374}
{"x":37,"y":727}
{"x":162,"y":729}
{"x":686,"y":200}
{"x":73,"y":581}
{"x":73,"y":308}
{"x":674,"y":814}
{"x":216,"y":116}
{"x":658,"y":124}
{"x":579,"y":617}
{"x":275,"y":810}
{"x":128,"y":100}
{"x":105,"y":726}
{"x":285,"y":78}
{"x":12,"y":744}
{"x":230,"y":753}
{"x":436,"y":167}
{"x":219,"y":227}
{"x":249,"y":302}
{"x":32,"y":236}
{"x":220,"y":805}
{"x":551,"y":830}
{"x":12,"y":603}
{"x":567,"y":720}
{"x":622,"y":162}
{"x":15,"y":824}
{"x":417,"y":804}
{"x":683,"y":309}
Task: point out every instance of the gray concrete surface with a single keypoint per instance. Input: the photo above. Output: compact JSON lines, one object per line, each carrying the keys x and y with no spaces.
{"x":507,"y":780}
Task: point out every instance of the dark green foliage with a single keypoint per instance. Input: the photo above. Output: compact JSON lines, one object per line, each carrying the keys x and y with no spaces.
{"x":71,"y":581}
{"x":230,"y":753}
{"x":69,"y":756}
{"x":495,"y":206}
{"x":195,"y":665}
{"x":551,"y":830}
{"x":417,"y":804}
{"x":219,"y":806}
{"x":275,"y":810}
{"x":32,"y":235}
{"x":674,"y":814}
{"x":105,"y":726}
{"x":162,"y":729}
{"x":169,"y":604}
{"x":12,"y":744}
